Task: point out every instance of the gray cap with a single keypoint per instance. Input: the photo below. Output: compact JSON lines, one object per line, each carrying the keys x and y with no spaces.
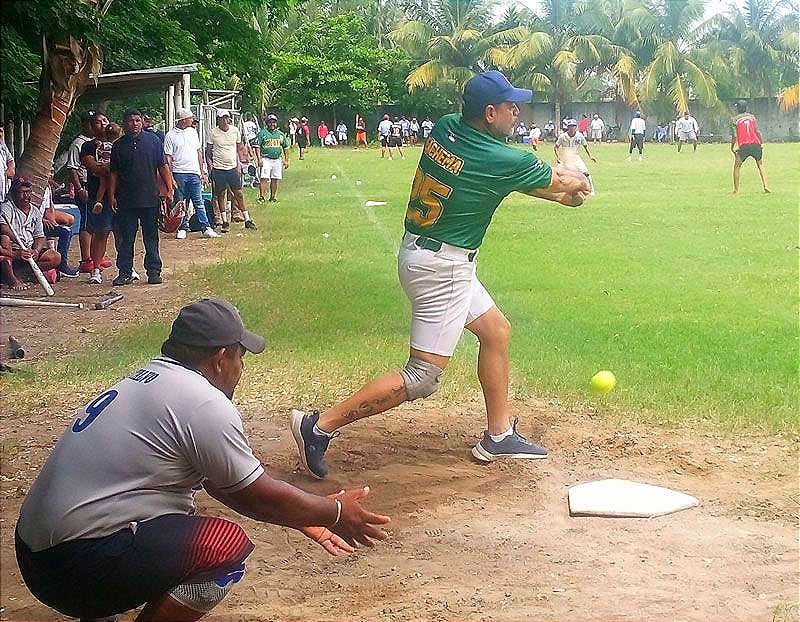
{"x":213,"y":322}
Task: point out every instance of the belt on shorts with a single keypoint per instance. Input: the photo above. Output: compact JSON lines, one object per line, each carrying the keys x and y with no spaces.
{"x":450,"y":251}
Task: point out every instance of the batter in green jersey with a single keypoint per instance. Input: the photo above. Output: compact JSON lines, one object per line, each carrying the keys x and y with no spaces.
{"x":465,"y":172}
{"x":272,"y":144}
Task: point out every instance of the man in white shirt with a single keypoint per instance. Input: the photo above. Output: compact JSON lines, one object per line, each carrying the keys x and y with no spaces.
{"x":384,"y":127}
{"x":596,"y":127}
{"x":116,"y":498}
{"x":185,"y":159}
{"x":226,"y":171}
{"x":341,"y":133}
{"x":427,"y":126}
{"x":637,"y":132}
{"x":535,"y":136}
{"x":687,"y":129}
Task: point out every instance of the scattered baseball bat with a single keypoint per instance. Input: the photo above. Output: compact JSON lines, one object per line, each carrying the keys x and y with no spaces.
{"x":104,"y":304}
{"x":17,"y":351}
{"x":34,"y":266}
{"x":23,"y":302}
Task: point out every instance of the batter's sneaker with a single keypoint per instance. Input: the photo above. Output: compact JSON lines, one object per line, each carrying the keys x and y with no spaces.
{"x":513,"y":446}
{"x":312,"y":446}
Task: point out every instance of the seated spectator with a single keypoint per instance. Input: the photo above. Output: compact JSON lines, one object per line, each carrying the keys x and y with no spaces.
{"x":330,"y":139}
{"x":26,"y":221}
{"x":57,"y":225}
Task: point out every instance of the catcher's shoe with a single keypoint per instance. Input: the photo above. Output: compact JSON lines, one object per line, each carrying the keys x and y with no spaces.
{"x":513,"y":446}
{"x":312,"y":446}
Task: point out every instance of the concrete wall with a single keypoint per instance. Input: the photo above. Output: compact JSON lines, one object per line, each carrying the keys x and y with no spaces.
{"x":774,"y":124}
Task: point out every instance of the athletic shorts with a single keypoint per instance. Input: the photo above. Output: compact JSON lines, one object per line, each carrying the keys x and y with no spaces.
{"x":99,"y":577}
{"x":596,"y":134}
{"x":302,"y":141}
{"x":686,"y":136}
{"x":444,"y":291}
{"x":395,"y":141}
{"x":750,"y":151}
{"x":226,"y":179}
{"x":271,"y":169}
{"x":104,"y":221}
{"x":361,"y":137}
{"x":384,"y":141}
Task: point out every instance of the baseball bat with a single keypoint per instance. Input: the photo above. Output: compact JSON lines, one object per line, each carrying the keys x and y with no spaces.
{"x":17,"y":351}
{"x":34,"y":266}
{"x":22,"y":302}
{"x":104,"y":304}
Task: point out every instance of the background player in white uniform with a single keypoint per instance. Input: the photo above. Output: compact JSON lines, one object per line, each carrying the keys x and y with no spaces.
{"x":566,"y":150}
{"x":637,"y":132}
{"x":110,"y":522}
{"x":686,"y":129}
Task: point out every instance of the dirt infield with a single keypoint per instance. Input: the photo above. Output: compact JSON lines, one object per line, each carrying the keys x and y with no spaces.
{"x":477,"y":542}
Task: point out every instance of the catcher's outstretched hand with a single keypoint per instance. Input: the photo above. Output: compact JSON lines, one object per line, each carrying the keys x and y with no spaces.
{"x":356,"y":525}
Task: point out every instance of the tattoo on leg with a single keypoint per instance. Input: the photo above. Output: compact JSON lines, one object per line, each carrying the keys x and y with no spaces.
{"x":372,"y":407}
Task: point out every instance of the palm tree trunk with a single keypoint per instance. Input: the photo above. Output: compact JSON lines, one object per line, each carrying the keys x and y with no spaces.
{"x":66,"y":67}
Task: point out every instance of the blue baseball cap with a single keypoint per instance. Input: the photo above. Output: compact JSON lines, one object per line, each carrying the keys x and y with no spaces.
{"x":492,"y":87}
{"x":636,"y":113}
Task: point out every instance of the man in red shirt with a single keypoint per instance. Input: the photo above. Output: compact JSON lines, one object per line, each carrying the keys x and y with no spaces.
{"x":322,"y":132}
{"x":749,"y":141}
{"x":583,"y":125}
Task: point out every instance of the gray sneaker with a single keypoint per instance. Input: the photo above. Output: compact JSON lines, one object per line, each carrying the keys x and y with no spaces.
{"x":312,"y":446}
{"x":513,"y":446}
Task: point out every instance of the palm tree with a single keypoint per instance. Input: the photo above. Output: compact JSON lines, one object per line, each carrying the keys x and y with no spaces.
{"x":448,"y":39}
{"x":67,"y":66}
{"x":552,"y":54}
{"x":751,"y":40}
{"x":666,"y":29}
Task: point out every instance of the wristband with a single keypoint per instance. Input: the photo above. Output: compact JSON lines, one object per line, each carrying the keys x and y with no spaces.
{"x":338,"y":512}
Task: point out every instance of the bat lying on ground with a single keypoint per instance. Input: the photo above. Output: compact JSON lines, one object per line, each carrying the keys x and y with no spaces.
{"x":104,"y":304}
{"x":23,"y":302}
{"x":37,"y":272}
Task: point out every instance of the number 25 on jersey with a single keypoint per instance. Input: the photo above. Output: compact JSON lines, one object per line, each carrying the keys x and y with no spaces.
{"x":425,"y":203}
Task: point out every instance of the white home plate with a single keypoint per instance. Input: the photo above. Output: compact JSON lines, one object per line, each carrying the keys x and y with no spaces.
{"x":622,"y":498}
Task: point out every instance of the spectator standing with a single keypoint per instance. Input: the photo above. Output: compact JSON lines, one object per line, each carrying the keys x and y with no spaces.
{"x":99,"y":217}
{"x":405,"y":125}
{"x":303,"y":136}
{"x":184,"y":157}
{"x":96,"y":226}
{"x":596,"y":128}
{"x":291,"y":130}
{"x":583,"y":125}
{"x":272,"y":143}
{"x":383,"y":134}
{"x":6,"y":163}
{"x":341,"y":133}
{"x":637,"y":132}
{"x":361,"y":132}
{"x":550,"y":129}
{"x":522,"y":132}
{"x":746,"y":142}
{"x":322,"y":133}
{"x":147,"y":126}
{"x":78,"y":176}
{"x":687,"y":129}
{"x":226,"y":171}
{"x":26,"y":220}
{"x":136,"y":159}
{"x":427,"y":126}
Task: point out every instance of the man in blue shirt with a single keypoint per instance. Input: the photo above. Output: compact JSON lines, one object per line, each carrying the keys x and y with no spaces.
{"x":134,"y":196}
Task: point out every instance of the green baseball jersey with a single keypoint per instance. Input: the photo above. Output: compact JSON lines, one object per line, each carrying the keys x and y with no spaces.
{"x":462,"y":177}
{"x":271,"y":144}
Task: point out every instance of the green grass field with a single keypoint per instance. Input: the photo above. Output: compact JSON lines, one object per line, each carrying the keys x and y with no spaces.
{"x":688,"y":294}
